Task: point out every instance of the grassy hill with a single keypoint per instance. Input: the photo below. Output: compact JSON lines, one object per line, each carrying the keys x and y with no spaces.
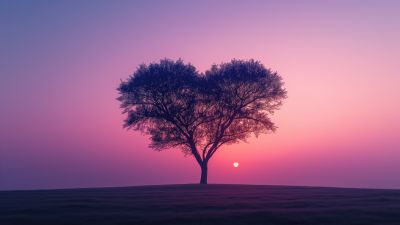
{"x":201,"y":204}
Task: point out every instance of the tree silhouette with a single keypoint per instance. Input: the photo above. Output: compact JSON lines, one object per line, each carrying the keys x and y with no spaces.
{"x":198,"y":113}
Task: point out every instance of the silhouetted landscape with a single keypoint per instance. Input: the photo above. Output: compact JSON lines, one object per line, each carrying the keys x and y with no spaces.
{"x":201,"y":204}
{"x":96,"y":95}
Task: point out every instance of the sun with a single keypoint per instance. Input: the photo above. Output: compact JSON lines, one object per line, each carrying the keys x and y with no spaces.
{"x":235,"y":164}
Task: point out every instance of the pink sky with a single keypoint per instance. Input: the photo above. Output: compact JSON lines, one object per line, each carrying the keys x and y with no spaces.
{"x":60,"y":65}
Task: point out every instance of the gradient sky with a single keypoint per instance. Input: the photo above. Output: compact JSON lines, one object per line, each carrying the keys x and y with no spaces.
{"x":61,"y":61}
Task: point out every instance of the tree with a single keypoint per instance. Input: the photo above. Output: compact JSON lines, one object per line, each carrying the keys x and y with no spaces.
{"x":198,"y":113}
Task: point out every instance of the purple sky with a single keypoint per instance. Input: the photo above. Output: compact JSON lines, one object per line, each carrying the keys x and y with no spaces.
{"x":61,"y":62}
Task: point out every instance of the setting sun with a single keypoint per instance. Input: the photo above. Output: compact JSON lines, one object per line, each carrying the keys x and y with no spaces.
{"x":235,"y":164}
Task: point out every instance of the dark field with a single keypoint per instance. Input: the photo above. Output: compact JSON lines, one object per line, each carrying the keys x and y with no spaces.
{"x":197,"y":204}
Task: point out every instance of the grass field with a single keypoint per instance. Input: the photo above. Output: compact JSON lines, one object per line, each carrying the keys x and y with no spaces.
{"x":201,"y":204}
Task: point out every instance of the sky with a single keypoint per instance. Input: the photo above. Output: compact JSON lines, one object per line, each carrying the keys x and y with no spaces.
{"x":61,"y":62}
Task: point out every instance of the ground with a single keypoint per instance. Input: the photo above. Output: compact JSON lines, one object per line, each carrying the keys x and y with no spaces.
{"x":201,"y":204}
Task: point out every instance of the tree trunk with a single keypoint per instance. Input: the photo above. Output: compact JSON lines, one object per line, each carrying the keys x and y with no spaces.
{"x":203,"y":178}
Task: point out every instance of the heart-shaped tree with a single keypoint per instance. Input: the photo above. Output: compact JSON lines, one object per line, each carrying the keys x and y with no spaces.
{"x":198,"y":113}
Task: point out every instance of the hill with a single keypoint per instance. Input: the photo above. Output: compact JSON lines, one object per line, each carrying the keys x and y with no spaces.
{"x":201,"y":204}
